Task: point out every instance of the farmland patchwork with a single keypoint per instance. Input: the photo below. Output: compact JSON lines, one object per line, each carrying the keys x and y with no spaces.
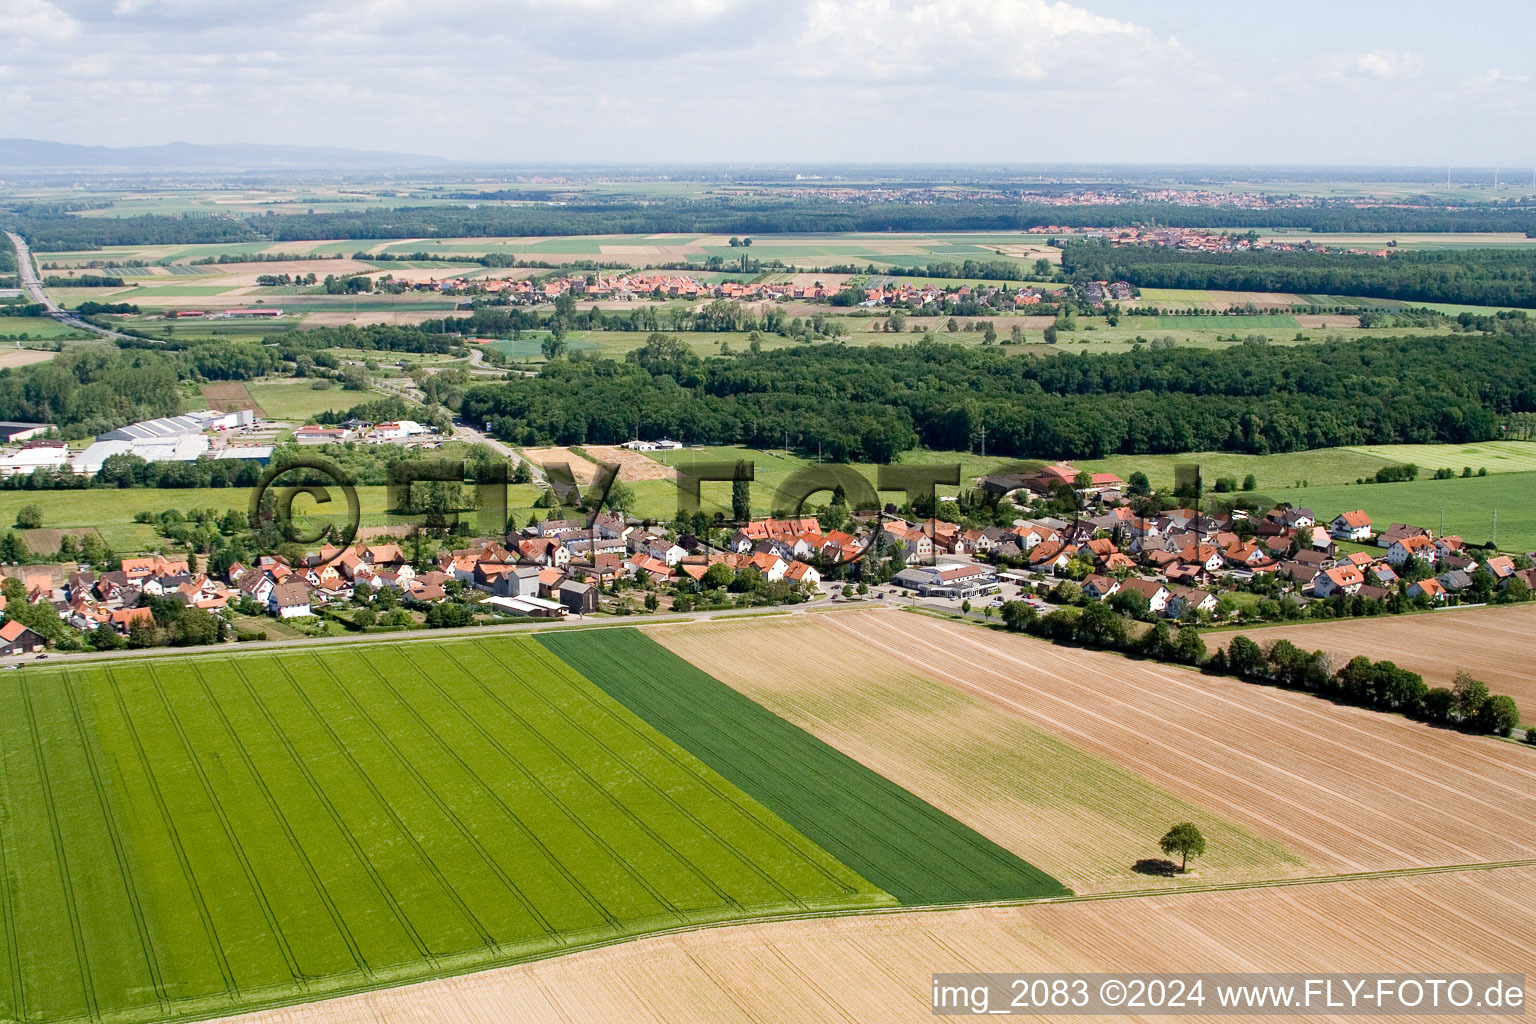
{"x":203,"y":835}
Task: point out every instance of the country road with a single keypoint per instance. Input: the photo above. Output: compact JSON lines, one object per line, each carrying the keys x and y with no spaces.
{"x":26,"y":275}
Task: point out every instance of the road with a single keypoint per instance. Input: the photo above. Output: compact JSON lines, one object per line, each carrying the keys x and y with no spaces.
{"x":818,"y":606}
{"x":464,"y":432}
{"x":26,"y":275}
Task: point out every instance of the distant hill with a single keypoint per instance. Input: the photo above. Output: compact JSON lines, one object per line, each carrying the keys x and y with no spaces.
{"x":35,"y":155}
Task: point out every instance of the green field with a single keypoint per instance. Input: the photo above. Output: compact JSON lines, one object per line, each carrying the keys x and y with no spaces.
{"x":111,"y":510}
{"x":905,"y":846}
{"x":295,"y":398}
{"x":207,"y":834}
{"x":1468,"y":506}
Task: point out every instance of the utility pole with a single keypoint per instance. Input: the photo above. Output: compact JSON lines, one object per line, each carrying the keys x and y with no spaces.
{"x":1495,"y":529}
{"x":983,"y":440}
{"x":786,"y":443}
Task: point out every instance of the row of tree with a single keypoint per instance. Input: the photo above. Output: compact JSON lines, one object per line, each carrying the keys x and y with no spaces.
{"x":1489,"y":277}
{"x":53,"y":231}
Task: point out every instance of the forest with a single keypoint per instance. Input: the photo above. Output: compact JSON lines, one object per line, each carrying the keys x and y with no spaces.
{"x":87,"y":391}
{"x":870,"y":404}
{"x":1488,"y":277}
{"x":49,"y":230}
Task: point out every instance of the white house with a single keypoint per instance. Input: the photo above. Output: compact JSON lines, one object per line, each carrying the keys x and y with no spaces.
{"x":1417,"y":546}
{"x":289,"y":600}
{"x":1352,"y":526}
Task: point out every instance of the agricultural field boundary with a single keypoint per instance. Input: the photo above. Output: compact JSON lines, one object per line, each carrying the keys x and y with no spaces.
{"x":899,"y":842}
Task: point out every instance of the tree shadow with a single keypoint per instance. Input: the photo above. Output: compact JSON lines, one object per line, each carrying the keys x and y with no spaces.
{"x":1156,"y":866}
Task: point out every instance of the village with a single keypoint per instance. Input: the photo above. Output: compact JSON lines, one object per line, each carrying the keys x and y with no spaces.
{"x":1177,"y":564}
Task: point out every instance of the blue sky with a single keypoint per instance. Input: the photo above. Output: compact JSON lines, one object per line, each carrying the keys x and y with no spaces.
{"x":1015,"y":81}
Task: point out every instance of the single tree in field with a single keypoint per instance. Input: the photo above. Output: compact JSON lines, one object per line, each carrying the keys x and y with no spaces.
{"x":1185,"y":840}
{"x":29,"y":517}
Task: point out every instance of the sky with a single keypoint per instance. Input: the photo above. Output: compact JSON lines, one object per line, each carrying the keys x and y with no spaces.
{"x":719,"y":81}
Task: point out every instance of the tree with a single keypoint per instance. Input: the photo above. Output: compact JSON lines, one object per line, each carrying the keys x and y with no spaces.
{"x":1245,"y":658}
{"x":1050,"y":334}
{"x":1470,"y":695}
{"x":29,"y":517}
{"x":1184,"y":839}
{"x":1499,"y":715}
{"x":1250,"y":482}
{"x":741,"y":493}
{"x":1188,"y":647}
{"x":621,"y":497}
{"x":553,"y":346}
{"x":718,"y":575}
{"x":1042,"y":268}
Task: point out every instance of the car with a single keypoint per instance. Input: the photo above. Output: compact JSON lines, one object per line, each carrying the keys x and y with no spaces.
{"x":41,"y":657}
{"x":8,"y":667}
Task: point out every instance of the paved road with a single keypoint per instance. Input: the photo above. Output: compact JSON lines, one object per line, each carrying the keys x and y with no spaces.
{"x":26,"y":275}
{"x":464,"y":432}
{"x":572,"y":621}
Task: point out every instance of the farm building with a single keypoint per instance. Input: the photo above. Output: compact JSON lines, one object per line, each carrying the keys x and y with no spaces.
{"x":16,"y":638}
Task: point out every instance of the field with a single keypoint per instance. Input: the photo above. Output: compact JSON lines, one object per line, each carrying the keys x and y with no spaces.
{"x":1494,"y":456}
{"x":229,"y":396}
{"x":877,"y":968}
{"x":1078,"y":816}
{"x":198,"y":835}
{"x":24,"y":356}
{"x":297,"y":399}
{"x":1344,"y":788}
{"x":1468,"y":506}
{"x":1491,"y":643}
{"x":203,"y":834}
{"x":111,"y":511}
{"x":905,"y":846}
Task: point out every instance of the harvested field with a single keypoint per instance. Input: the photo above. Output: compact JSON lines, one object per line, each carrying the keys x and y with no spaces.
{"x":228,"y":396}
{"x":1321,"y":320}
{"x":582,"y":469}
{"x":877,"y":968}
{"x":24,"y":356}
{"x":1346,"y":788}
{"x":406,"y":317}
{"x":45,"y":541}
{"x":632,"y":464}
{"x":1494,"y":644}
{"x":1079,"y":817}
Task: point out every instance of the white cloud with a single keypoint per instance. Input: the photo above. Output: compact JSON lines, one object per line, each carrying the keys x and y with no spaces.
{"x":988,"y":39}
{"x":1494,"y":79}
{"x":36,"y":20}
{"x":1389,"y":64}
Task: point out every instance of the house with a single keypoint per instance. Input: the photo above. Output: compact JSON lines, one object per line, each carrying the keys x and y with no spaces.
{"x":1341,"y":579}
{"x":1352,"y":526}
{"x":1397,"y":531}
{"x":1412,"y":546}
{"x":1098,"y":588}
{"x":659,"y":572}
{"x":1156,"y":594}
{"x":16,"y":638}
{"x":1501,"y":566}
{"x":770,"y":565}
{"x":800,"y":572}
{"x":1429,"y":588}
{"x":1184,"y":601}
{"x":124,"y":619}
{"x":289,"y":600}
{"x":1455,"y":581}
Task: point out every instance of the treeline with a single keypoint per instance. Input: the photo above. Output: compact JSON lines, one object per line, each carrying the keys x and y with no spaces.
{"x":84,"y":281}
{"x":871,"y":403}
{"x":52,"y":232}
{"x":1485,"y":277}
